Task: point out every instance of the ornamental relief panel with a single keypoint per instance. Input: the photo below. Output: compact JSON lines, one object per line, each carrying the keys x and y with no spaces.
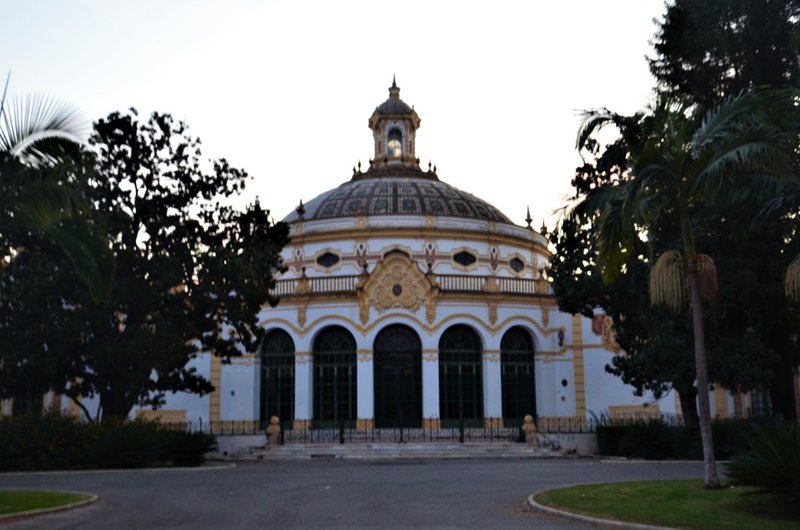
{"x":603,"y":326}
{"x":396,"y":282}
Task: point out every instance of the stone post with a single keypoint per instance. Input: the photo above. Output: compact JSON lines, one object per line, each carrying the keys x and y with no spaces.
{"x":530,"y":431}
{"x":273,"y":431}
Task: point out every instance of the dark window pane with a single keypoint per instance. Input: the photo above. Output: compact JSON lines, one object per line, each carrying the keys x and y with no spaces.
{"x":460,"y":376}
{"x":334,"y":377}
{"x":518,"y":376}
{"x":277,"y":377}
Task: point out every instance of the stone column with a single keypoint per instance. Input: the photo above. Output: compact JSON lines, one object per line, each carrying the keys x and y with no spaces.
{"x":365,"y":375}
{"x":492,"y":390}
{"x":430,"y":389}
{"x":303,"y":389}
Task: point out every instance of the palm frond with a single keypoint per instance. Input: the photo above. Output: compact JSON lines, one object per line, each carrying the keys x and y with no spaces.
{"x":615,"y":237}
{"x":792,"y":280}
{"x":43,"y":204}
{"x":32,"y":128}
{"x":757,"y":150}
{"x":668,"y":281}
{"x":742,"y":109}
{"x":596,"y":119}
{"x":89,"y":253}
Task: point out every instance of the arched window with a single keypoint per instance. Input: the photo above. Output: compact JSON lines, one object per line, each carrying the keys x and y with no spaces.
{"x":395,"y":144}
{"x":460,"y":377}
{"x":398,"y":377}
{"x":518,"y":376}
{"x":334,"y":377}
{"x":277,"y":377}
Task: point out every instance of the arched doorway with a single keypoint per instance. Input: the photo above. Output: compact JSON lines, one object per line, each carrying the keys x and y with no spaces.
{"x":397,"y":363}
{"x":460,"y":377}
{"x":335,"y":397}
{"x":518,"y":375}
{"x":277,"y":377}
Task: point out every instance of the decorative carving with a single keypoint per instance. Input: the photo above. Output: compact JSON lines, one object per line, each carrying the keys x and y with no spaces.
{"x":430,"y":310}
{"x":397,"y":282}
{"x":364,"y":357}
{"x":297,"y":259}
{"x":545,"y":317}
{"x":430,"y":357}
{"x":302,"y":306}
{"x":491,"y":357}
{"x":492,"y":313}
{"x":494,"y":258}
{"x":302,"y":358}
{"x":361,"y":254}
{"x":491,"y":285}
{"x":603,"y":326}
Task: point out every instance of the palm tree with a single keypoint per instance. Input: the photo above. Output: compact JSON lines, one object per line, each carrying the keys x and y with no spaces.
{"x":40,"y":140}
{"x":678,"y":164}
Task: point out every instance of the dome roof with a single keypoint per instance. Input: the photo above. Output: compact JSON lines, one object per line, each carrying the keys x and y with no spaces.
{"x":394,"y":106}
{"x":400,"y":191}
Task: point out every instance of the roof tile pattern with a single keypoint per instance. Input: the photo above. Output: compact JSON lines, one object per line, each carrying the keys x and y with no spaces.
{"x":399,"y":196}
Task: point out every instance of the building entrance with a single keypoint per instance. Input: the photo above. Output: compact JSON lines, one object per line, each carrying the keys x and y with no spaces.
{"x":397,"y":362}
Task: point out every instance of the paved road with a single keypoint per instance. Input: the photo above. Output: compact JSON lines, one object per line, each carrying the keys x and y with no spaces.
{"x":330,"y":494}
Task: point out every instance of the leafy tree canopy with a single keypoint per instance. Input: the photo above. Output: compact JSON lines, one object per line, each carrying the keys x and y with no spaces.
{"x":192,"y":272}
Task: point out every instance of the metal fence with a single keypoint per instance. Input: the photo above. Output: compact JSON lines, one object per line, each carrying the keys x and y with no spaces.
{"x":431,"y":431}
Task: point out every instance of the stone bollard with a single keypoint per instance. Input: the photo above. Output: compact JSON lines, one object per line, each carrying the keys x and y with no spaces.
{"x":273,"y":431}
{"x":530,"y":431}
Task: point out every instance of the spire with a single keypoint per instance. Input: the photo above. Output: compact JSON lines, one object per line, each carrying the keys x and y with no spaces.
{"x":528,"y":218}
{"x":394,"y":90}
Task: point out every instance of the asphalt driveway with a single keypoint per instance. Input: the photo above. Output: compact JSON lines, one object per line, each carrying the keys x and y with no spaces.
{"x":330,"y":494}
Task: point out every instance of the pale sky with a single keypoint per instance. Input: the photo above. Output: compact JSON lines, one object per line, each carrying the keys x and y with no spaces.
{"x":284,"y":89}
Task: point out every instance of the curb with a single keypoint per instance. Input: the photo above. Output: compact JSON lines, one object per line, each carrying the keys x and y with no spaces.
{"x":117,"y":470}
{"x":588,"y":519}
{"x":11,"y":517}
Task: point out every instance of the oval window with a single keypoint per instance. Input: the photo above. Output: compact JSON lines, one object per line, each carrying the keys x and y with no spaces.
{"x":329,"y":259}
{"x":516,"y":264}
{"x":465,"y":258}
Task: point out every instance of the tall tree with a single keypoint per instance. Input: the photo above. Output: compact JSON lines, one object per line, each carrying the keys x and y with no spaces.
{"x":40,"y":194}
{"x":679,"y":162}
{"x":193,"y":274}
{"x":707,"y":50}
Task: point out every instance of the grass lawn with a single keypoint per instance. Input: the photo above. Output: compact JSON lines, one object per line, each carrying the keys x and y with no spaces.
{"x":22,"y":501}
{"x":675,"y":503}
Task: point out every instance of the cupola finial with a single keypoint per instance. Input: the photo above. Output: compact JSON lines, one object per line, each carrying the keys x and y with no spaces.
{"x":394,"y":90}
{"x":528,"y":218}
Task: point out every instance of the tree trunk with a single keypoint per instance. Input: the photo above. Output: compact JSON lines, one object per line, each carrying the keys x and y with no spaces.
{"x":781,"y":392}
{"x":688,"y":399}
{"x":114,"y":407}
{"x":709,"y":462}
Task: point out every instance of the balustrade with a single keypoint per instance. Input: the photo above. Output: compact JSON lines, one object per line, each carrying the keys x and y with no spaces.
{"x":445,"y":282}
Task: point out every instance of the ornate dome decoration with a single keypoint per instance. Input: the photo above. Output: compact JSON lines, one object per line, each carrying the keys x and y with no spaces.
{"x":398,"y":196}
{"x":394,"y":184}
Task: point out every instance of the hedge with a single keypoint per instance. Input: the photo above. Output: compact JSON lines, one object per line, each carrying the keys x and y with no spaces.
{"x":48,"y":442}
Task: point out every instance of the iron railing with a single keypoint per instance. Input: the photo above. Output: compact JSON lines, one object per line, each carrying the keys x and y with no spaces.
{"x":431,"y":430}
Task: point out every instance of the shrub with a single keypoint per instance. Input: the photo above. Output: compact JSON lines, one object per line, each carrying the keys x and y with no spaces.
{"x":188,"y":448}
{"x":50,"y":441}
{"x":772,"y":464}
{"x":656,"y":440}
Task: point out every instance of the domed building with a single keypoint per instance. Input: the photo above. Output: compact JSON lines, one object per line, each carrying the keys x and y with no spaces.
{"x":410,"y":302}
